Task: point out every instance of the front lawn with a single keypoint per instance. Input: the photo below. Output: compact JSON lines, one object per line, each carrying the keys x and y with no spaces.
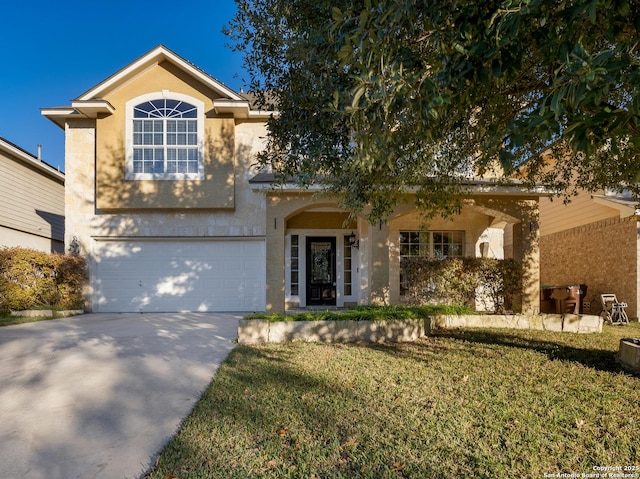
{"x":479,"y":403}
{"x":366,"y":313}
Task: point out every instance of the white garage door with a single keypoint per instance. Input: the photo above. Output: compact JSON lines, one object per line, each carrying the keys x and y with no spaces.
{"x":169,"y":276}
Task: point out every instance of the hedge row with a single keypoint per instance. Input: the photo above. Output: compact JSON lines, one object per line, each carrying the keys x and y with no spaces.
{"x":496,"y":284}
{"x":365,"y":313}
{"x":31,"y":279}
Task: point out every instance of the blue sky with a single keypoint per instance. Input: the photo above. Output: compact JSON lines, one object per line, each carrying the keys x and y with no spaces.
{"x":51,"y":52}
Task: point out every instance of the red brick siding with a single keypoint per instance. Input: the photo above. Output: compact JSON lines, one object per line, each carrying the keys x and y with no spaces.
{"x":602,"y":255}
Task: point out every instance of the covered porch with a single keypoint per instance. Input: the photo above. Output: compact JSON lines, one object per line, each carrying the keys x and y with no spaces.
{"x":317,"y":256}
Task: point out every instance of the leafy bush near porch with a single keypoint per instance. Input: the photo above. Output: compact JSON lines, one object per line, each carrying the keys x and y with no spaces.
{"x":460,"y":280}
{"x":30,"y":279}
{"x":367,"y":313}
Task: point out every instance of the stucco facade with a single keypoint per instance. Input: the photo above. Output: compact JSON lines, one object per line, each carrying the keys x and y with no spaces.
{"x":101,"y":203}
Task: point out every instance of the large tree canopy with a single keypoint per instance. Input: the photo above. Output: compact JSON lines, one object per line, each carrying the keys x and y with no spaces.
{"x":378,"y":96}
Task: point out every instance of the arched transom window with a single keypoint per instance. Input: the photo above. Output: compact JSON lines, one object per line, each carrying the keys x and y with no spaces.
{"x":165,"y":138}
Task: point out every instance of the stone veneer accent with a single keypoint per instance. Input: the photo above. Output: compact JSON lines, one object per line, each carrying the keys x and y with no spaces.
{"x":256,"y":331}
{"x":603,"y":255}
{"x":629,"y":355}
{"x":565,"y":323}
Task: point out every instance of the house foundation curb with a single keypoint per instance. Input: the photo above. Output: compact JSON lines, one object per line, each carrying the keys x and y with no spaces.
{"x":257,"y":331}
{"x":568,"y":323}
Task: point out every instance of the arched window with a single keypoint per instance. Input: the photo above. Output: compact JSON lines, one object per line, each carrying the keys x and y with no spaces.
{"x":164,"y":137}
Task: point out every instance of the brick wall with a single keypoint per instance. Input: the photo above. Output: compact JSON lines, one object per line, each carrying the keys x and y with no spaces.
{"x":602,"y":255}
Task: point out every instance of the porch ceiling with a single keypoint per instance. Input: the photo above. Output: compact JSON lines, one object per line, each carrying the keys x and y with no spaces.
{"x":496,"y":215}
{"x":321,"y":220}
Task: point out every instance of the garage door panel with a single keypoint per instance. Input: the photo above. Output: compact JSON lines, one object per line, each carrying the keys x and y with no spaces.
{"x":171,"y":276}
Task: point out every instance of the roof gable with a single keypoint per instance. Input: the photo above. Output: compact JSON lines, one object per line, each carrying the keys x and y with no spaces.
{"x":155,"y":56}
{"x":92,"y":103}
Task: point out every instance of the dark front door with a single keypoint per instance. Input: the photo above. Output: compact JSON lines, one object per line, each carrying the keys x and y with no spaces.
{"x":321,"y":271}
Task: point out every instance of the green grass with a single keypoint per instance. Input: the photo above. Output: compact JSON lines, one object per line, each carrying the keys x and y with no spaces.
{"x":7,"y":320}
{"x":480,"y":403}
{"x":366,"y":313}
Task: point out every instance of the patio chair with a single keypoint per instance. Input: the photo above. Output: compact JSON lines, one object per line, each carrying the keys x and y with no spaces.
{"x":613,"y":311}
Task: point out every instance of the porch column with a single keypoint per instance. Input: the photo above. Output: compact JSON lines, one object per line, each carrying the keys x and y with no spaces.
{"x":526,"y":238}
{"x":79,"y":198}
{"x":275,"y":246}
{"x":379,"y":263}
{"x":79,"y":193}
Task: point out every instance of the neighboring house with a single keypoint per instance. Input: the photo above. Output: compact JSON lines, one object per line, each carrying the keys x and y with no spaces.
{"x":594,"y":240}
{"x":31,"y":201}
{"x":165,"y":203}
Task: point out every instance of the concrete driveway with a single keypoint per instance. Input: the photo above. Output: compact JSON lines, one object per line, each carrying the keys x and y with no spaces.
{"x":98,"y":395}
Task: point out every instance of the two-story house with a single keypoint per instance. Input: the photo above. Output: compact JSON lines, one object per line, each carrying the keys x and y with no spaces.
{"x":172,"y":216}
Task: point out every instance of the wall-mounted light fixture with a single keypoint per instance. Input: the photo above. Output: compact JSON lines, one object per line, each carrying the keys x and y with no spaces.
{"x":74,"y":246}
{"x":353,"y":241}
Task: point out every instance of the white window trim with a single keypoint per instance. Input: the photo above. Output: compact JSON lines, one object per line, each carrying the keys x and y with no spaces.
{"x":130,"y":105}
{"x":301,"y":297}
{"x":431,"y":253}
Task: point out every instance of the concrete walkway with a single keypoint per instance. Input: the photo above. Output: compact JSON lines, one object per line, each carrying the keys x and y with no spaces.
{"x":98,"y":395}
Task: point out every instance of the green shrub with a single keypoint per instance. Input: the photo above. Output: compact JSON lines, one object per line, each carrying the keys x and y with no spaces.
{"x":461,"y":281}
{"x":502,"y":282}
{"x":366,"y":313}
{"x":30,"y":279}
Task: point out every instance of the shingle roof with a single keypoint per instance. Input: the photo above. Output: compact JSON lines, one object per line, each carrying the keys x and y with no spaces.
{"x":262,"y":177}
